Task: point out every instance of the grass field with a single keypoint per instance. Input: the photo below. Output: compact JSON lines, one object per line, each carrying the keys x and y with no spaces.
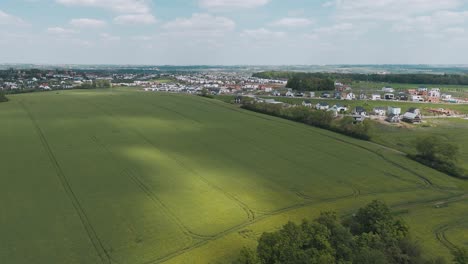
{"x":123,"y":176}
{"x":402,"y":138}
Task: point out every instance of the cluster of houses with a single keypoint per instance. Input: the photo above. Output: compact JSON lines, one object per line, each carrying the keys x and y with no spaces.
{"x":359,"y":113}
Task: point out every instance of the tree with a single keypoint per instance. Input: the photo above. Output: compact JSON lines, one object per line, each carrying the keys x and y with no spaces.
{"x":372,"y":236}
{"x":438,"y":153}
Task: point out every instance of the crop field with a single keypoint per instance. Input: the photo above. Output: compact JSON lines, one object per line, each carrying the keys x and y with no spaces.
{"x":123,"y":176}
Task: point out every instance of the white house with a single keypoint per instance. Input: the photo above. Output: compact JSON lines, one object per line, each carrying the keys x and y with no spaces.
{"x":350,"y":96}
{"x":394,"y":110}
{"x":380,"y":111}
{"x":340,"y":108}
{"x":434,"y":92}
{"x":446,"y":96}
{"x":307,"y":103}
{"x":312,"y":94}
{"x":417,"y":98}
{"x":322,"y":106}
{"x":389,"y":96}
{"x":388,"y":90}
{"x":290,"y":94}
{"x":376,"y":97}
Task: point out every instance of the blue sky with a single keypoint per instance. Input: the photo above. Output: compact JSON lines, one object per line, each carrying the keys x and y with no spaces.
{"x":232,"y":32}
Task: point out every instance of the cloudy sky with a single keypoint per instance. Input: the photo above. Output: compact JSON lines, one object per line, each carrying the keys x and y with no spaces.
{"x":232,"y":32}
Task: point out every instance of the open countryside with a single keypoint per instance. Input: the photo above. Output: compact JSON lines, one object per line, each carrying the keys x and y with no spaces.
{"x":123,"y":176}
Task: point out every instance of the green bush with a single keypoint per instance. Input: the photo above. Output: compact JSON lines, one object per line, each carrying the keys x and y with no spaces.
{"x":3,"y":97}
{"x":372,"y":235}
{"x":440,"y":154}
{"x":321,"y":119}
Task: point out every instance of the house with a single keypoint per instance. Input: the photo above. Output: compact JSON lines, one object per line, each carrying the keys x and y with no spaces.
{"x":413,"y":115}
{"x":322,"y":106}
{"x":326,"y":95}
{"x":402,"y":97}
{"x":307,"y":103}
{"x":312,"y":94}
{"x":380,"y":111}
{"x":376,"y":97}
{"x":393,"y":118}
{"x":359,"y":118}
{"x":414,"y":111}
{"x":394,"y":110}
{"x":446,"y":96}
{"x":434,"y":92}
{"x":350,"y":96}
{"x":276,"y":93}
{"x":363,"y":96}
{"x":389,"y":96}
{"x":412,"y":118}
{"x":340,"y":108}
{"x":300,"y":94}
{"x":417,"y":98}
{"x":290,"y":94}
{"x":359,"y":110}
{"x":388,"y":90}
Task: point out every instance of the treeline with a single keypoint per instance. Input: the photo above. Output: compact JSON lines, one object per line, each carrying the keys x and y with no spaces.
{"x":373,"y":235}
{"x":321,"y":119}
{"x":96,"y":84}
{"x":3,"y":97}
{"x":307,"y":83}
{"x":440,"y":154}
{"x":445,"y":79}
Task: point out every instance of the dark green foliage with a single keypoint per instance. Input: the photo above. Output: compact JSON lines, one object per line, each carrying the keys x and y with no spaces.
{"x":3,"y":98}
{"x":97,"y":84}
{"x":306,"y":83}
{"x":438,"y":153}
{"x":206,"y":93}
{"x":446,"y":79}
{"x":321,"y":119}
{"x":372,"y":236}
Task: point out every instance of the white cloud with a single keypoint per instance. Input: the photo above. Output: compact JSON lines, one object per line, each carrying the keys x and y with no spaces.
{"x":7,"y":19}
{"x":109,"y":37}
{"x":390,"y":10}
{"x":60,"y":31}
{"x":120,"y":6}
{"x":293,"y":22}
{"x":436,"y":22}
{"x":135,"y":19}
{"x":87,"y":23}
{"x":223,"y":4}
{"x":262,"y":33}
{"x":455,"y":30}
{"x":335,"y":29}
{"x":200,"y":24}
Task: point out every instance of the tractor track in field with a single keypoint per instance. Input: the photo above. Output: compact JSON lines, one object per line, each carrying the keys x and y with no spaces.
{"x":150,"y":194}
{"x":249,"y":212}
{"x":282,"y":120}
{"x":98,"y":245}
{"x":271,"y":214}
{"x":239,"y":227}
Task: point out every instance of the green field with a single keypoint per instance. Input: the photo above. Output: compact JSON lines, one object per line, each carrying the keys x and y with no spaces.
{"x":403,"y":138}
{"x":123,"y":176}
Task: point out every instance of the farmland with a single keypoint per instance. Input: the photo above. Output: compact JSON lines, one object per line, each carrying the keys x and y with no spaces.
{"x":123,"y":176}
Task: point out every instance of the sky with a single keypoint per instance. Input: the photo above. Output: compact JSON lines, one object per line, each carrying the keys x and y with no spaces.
{"x":234,"y":32}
